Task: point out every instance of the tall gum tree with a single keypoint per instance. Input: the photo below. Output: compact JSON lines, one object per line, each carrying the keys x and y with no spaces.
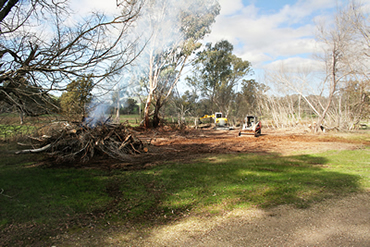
{"x":216,"y":73}
{"x":175,"y":28}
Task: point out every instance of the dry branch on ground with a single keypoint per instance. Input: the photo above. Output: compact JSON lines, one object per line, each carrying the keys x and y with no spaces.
{"x":79,"y":142}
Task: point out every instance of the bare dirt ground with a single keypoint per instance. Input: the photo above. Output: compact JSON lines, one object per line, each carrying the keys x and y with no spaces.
{"x":338,"y":222}
{"x":186,"y":145}
{"x":334,"y":222}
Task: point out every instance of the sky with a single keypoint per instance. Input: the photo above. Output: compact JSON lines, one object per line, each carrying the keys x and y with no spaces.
{"x":267,"y":33}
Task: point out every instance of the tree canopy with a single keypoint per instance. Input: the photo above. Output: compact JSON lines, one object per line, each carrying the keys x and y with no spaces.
{"x":77,"y":97}
{"x":216,"y":73}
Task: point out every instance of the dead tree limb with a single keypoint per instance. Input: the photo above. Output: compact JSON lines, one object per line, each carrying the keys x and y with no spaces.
{"x":37,"y":150}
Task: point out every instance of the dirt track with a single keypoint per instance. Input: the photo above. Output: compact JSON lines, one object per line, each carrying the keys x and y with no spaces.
{"x":335,"y":222}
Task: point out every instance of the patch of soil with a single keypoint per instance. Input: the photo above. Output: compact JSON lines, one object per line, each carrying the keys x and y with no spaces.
{"x":187,"y":145}
{"x":334,"y":222}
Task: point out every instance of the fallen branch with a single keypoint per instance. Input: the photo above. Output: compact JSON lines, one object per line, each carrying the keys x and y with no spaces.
{"x":137,"y":151}
{"x":125,"y":142}
{"x":23,"y":144}
{"x":37,"y":150}
{"x":39,"y":139}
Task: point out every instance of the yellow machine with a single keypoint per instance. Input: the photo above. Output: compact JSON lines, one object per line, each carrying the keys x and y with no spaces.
{"x":218,"y":119}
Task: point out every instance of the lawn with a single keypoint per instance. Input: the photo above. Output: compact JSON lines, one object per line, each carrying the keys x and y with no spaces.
{"x":133,"y":120}
{"x":40,"y":196}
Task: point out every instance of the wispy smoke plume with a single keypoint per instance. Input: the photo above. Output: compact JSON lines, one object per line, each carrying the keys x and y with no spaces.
{"x":98,"y":115}
{"x":162,"y":26}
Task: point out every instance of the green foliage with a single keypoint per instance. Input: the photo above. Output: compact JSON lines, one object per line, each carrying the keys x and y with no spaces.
{"x":196,"y":28}
{"x":182,"y":105}
{"x":78,"y":96}
{"x":247,"y":100}
{"x":131,"y":107}
{"x":217,"y":71}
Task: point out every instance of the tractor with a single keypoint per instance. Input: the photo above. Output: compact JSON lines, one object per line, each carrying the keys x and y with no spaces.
{"x":251,"y":125}
{"x":220,"y":122}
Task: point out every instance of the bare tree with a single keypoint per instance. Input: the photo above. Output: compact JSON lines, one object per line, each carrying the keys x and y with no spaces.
{"x":347,"y":63}
{"x":338,"y":41}
{"x":356,"y":91}
{"x":288,"y":81}
{"x":40,"y":51}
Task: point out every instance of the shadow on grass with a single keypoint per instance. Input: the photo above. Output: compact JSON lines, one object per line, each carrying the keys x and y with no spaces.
{"x":45,"y":196}
{"x":226,"y":182}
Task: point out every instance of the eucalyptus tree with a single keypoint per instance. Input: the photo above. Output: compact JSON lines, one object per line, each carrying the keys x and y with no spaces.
{"x":77,"y":96}
{"x":175,"y":29}
{"x":216,"y":73}
{"x":249,"y":99}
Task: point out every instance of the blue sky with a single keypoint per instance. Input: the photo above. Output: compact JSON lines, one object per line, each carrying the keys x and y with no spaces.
{"x":268,"y":33}
{"x":265,"y":32}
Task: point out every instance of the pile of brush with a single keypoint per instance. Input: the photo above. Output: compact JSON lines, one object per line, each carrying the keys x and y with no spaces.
{"x":78,"y":142}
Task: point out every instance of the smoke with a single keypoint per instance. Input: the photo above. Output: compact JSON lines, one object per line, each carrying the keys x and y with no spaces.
{"x":167,"y":29}
{"x":162,"y":25}
{"x":162,"y":28}
{"x":98,"y":114}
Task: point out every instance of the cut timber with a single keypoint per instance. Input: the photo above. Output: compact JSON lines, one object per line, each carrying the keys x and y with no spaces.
{"x":125,"y":142}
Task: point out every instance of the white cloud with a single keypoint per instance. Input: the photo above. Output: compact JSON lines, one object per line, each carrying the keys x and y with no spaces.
{"x":230,"y":6}
{"x":84,"y":7}
{"x":296,"y":63}
{"x":285,"y":34}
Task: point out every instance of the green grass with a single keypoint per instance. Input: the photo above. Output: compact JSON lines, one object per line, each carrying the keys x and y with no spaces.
{"x":10,"y":130}
{"x":133,"y":120}
{"x":32,"y":194}
{"x":216,"y":183}
{"x":227,"y":182}
{"x":54,"y":196}
{"x":10,"y":127}
{"x":360,"y":135}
